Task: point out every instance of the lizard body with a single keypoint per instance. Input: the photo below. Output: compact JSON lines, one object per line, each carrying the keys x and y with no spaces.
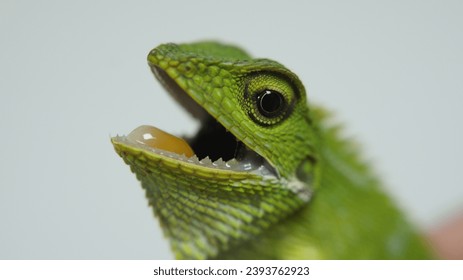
{"x":270,"y":178}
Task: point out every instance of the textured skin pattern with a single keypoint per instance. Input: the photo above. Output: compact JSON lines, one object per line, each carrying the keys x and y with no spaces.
{"x":203,"y":212}
{"x":211,"y":213}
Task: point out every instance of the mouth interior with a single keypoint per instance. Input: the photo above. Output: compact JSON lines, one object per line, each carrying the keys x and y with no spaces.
{"x":214,"y":141}
{"x":213,"y":145}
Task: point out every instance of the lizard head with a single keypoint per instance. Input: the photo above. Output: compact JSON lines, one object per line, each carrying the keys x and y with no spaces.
{"x":254,"y":159}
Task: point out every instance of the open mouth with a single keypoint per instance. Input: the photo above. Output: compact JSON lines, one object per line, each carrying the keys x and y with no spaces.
{"x":213,"y":146}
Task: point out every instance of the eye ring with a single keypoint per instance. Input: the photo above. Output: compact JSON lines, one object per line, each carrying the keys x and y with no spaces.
{"x":270,"y":103}
{"x":269,"y":97}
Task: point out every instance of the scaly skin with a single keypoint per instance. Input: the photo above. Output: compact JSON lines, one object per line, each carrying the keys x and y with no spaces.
{"x":317,"y":201}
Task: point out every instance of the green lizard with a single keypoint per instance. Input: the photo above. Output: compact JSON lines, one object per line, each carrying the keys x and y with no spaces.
{"x":270,"y":178}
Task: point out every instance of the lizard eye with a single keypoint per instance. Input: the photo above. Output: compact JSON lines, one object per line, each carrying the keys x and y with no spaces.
{"x":269,"y":98}
{"x":270,"y":103}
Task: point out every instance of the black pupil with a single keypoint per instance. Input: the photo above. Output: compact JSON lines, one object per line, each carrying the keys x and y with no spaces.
{"x":270,"y":102}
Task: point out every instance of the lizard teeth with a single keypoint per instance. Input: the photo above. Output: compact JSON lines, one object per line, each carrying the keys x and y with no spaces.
{"x":206,"y":161}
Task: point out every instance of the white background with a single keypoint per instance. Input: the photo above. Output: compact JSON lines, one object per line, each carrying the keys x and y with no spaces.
{"x":74,"y":73}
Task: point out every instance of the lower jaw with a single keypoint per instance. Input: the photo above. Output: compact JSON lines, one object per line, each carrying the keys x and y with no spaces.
{"x":212,"y":147}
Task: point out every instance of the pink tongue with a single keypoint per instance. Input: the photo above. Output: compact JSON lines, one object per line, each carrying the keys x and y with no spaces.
{"x":156,"y":138}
